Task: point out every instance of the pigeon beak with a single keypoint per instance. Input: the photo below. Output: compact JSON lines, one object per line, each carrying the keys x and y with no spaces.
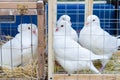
{"x":86,"y":23}
{"x":57,"y":29}
{"x":34,"y":32}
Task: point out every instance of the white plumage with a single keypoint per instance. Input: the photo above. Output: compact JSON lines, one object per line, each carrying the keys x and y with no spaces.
{"x":94,"y":38}
{"x":70,"y":55}
{"x":64,"y":17}
{"x":21,"y":48}
{"x":72,"y":33}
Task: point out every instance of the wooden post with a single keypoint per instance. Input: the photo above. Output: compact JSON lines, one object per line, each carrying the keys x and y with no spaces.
{"x":52,"y":12}
{"x":88,"y":8}
{"x":41,"y":40}
{"x":14,"y":5}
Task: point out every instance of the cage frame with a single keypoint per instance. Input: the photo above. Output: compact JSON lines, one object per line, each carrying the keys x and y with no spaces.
{"x":39,"y":7}
{"x":51,"y":23}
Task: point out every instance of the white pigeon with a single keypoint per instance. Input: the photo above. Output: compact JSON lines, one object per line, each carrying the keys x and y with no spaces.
{"x":73,"y":33}
{"x":69,"y":54}
{"x":94,"y":38}
{"x":21,"y":49}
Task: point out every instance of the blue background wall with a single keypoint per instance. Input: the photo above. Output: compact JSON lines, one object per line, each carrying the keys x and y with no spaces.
{"x":106,"y":13}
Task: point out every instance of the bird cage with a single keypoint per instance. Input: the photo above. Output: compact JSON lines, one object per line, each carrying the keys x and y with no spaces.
{"x":78,"y":11}
{"x":17,"y":16}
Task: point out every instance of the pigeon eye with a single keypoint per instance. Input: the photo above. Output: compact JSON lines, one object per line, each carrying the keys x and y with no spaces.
{"x":62,"y":26}
{"x":29,"y":28}
{"x":93,"y":19}
{"x":64,"y":19}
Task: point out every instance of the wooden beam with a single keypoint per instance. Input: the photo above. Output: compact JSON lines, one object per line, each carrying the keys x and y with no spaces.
{"x":17,"y":0}
{"x":15,"y":8}
{"x":52,"y":12}
{"x":41,"y":41}
{"x":14,"y":5}
{"x":15,"y":12}
{"x":87,"y":77}
{"x":88,"y":8}
{"x":17,"y":79}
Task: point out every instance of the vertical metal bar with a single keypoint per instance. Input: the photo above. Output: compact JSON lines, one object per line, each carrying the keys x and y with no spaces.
{"x":21,"y":21}
{"x":117,"y":16}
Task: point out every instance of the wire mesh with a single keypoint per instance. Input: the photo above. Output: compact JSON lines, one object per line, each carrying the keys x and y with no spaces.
{"x":19,"y":45}
{"x":108,"y":14}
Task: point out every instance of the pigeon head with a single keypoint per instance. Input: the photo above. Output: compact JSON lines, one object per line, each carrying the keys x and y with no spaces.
{"x":22,"y":27}
{"x":63,"y":26}
{"x":92,"y":20}
{"x":65,"y":18}
{"x":27,"y":27}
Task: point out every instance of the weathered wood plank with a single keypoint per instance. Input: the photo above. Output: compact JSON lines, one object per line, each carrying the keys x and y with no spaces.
{"x":41,"y":41}
{"x":17,"y":79}
{"x":17,"y":0}
{"x":14,"y":5}
{"x":52,"y":12}
{"x":87,"y":77}
{"x":13,"y":8}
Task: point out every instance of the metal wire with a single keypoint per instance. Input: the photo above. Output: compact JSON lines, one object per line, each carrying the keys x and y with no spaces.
{"x":109,"y":19}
